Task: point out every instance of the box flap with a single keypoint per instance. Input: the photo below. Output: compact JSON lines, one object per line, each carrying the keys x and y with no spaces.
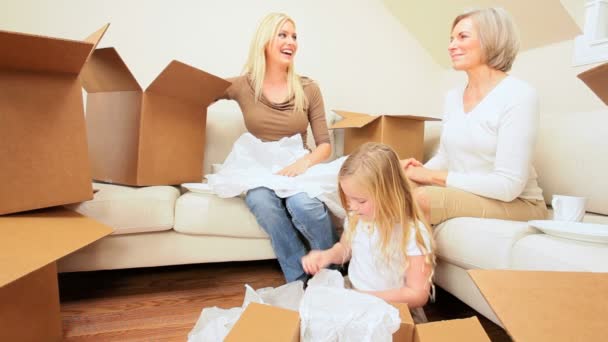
{"x":352,"y":120}
{"x":405,"y":333}
{"x":34,"y":239}
{"x":547,"y":306}
{"x":597,"y":79}
{"x":185,"y":82}
{"x":96,"y":36}
{"x":415,"y":117}
{"x":105,"y":71}
{"x":25,"y":52}
{"x":467,"y":329}
{"x":260,"y":322}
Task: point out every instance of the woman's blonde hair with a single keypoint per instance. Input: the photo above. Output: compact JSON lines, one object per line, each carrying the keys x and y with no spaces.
{"x":376,"y":170}
{"x":255,"y":67}
{"x":498,"y":36}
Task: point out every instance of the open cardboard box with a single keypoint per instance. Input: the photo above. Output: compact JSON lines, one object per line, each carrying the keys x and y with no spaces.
{"x":30,"y":244}
{"x":597,"y":79}
{"x":260,"y":322}
{"x":44,"y":146}
{"x":404,"y":133}
{"x":547,"y":306}
{"x":532,"y":306}
{"x":151,"y":137}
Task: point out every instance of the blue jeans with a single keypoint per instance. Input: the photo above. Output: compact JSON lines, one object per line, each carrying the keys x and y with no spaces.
{"x":295,"y":224}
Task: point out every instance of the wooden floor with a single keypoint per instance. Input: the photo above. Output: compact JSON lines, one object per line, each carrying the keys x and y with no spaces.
{"x":164,"y":303}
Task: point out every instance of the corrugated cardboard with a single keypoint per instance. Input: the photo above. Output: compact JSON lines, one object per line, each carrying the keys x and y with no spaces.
{"x":404,"y":133}
{"x":152,"y":137}
{"x":406,"y":330}
{"x":467,"y":329}
{"x":30,"y":243}
{"x":29,"y":309}
{"x":43,"y":149}
{"x":260,"y":322}
{"x":547,"y":306}
{"x":597,"y":79}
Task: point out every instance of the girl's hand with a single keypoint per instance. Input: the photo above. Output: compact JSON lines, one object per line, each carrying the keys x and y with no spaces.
{"x":405,"y":163}
{"x":314,"y":261}
{"x":297,"y":168}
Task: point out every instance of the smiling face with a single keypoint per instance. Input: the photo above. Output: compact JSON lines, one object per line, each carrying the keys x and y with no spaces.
{"x":282,"y":48}
{"x":359,"y":201}
{"x":465,"y":46}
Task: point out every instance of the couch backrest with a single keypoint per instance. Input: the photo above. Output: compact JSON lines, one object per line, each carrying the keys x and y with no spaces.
{"x":571,"y":156}
{"x":223,"y":128}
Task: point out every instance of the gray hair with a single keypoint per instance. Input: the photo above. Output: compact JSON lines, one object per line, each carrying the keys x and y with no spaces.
{"x":498,"y":36}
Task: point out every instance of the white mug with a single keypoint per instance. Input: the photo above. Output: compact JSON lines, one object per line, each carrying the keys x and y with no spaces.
{"x":568,"y":208}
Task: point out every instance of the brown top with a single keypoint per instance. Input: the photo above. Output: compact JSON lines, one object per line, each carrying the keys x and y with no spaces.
{"x":271,"y":121}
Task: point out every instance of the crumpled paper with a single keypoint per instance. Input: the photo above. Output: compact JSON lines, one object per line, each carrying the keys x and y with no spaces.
{"x":335,"y":314}
{"x":328,"y":312}
{"x":253,"y":163}
{"x":215,"y":323}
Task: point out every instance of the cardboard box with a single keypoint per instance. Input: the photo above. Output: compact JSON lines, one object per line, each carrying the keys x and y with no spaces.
{"x":151,"y":137}
{"x":43,"y":145}
{"x":597,"y":79}
{"x":30,"y":244}
{"x":532,"y":306}
{"x":547,"y":306}
{"x":404,"y":133}
{"x":261,"y":322}
{"x":468,"y":329}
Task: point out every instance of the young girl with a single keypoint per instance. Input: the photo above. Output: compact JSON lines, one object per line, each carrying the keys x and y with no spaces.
{"x":386,"y":260}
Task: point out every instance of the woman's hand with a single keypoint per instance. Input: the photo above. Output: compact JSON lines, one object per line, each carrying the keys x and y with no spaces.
{"x":297,"y":168}
{"x":422,"y":175}
{"x":405,"y":163}
{"x":314,"y":261}
{"x":418,"y":174}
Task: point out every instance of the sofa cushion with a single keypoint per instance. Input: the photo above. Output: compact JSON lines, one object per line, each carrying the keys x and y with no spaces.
{"x":546,"y":252}
{"x":479,"y":243}
{"x":208,"y":214}
{"x":129,"y":209}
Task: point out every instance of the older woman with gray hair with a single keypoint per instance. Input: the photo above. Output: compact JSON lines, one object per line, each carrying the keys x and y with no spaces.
{"x":483,"y":167}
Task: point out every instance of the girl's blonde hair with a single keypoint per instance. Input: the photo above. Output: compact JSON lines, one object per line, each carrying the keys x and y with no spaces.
{"x":498,"y":36}
{"x":375,"y":168}
{"x":255,"y":67}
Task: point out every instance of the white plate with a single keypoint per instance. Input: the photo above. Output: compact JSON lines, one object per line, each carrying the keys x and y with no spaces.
{"x":200,"y":188}
{"x":591,"y":232}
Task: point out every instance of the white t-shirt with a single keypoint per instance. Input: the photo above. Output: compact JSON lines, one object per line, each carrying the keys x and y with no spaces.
{"x":368,"y":269}
{"x":489,"y":150}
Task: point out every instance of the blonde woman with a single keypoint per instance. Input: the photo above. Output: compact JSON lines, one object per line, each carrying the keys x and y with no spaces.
{"x":389,"y":246}
{"x":484,"y":164}
{"x":276,"y":103}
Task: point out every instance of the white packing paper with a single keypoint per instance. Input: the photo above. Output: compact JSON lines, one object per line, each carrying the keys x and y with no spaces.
{"x":328,"y":312}
{"x":253,"y":163}
{"x":335,"y":314}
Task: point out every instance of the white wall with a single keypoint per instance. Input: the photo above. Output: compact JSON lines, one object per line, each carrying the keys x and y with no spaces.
{"x":361,"y":56}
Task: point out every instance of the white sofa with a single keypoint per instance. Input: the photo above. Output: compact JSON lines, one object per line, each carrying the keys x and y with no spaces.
{"x":158,"y":226}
